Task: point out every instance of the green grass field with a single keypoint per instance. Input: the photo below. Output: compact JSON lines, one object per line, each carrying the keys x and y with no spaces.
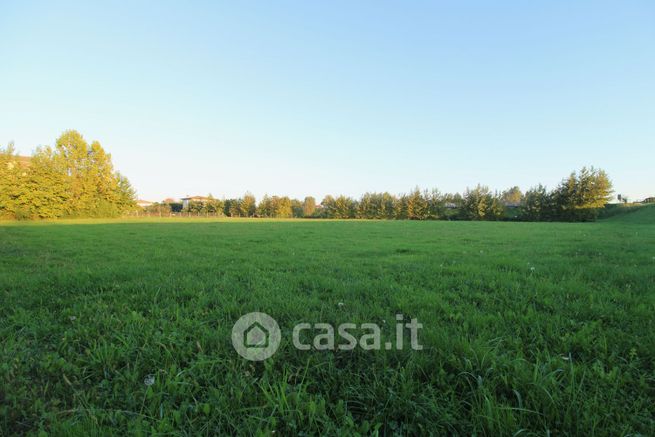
{"x":529,"y":328}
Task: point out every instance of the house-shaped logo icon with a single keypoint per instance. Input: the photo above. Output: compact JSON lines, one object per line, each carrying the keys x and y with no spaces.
{"x":256,"y":336}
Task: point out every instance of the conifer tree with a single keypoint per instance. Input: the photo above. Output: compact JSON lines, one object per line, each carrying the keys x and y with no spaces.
{"x":417,"y":206}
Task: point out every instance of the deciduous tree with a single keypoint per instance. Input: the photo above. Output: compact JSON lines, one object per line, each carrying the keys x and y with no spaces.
{"x":308,"y":206}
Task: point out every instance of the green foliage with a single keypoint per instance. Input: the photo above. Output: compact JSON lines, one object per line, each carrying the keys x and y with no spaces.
{"x":77,"y":180}
{"x":73,"y":179}
{"x":195,"y":206}
{"x":275,"y":207}
{"x":512,"y":196}
{"x":579,"y":197}
{"x":344,"y":207}
{"x":474,"y":206}
{"x":297,"y":208}
{"x":179,"y":206}
{"x":529,"y":329}
{"x":159,"y":208}
{"x":281,"y":207}
{"x":247,"y":206}
{"x":214,"y":206}
{"x":537,"y":204}
{"x":495,"y":208}
{"x":328,"y":206}
{"x":231,"y":208}
{"x":582,"y":195}
{"x":11,"y":176}
{"x":436,"y":204}
{"x":265,"y":207}
{"x":125,"y":194}
{"x":400,"y":207}
{"x":480,"y":204}
{"x":418,"y":207}
{"x":308,"y":207}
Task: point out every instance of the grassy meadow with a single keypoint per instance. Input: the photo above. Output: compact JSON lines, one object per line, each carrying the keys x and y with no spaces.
{"x":529,"y":328}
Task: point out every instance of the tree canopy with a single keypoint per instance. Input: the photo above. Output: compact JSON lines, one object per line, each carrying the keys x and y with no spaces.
{"x":71,"y":179}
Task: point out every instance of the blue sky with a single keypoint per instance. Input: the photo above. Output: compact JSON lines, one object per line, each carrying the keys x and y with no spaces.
{"x":343,"y":97}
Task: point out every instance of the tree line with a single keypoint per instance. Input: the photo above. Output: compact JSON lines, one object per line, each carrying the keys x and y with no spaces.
{"x":578,"y":197}
{"x":77,"y":179}
{"x":71,"y":179}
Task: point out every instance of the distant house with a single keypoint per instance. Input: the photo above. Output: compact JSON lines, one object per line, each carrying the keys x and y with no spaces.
{"x":450,"y":205}
{"x":648,"y":200}
{"x":187,"y":200}
{"x":144,"y":203}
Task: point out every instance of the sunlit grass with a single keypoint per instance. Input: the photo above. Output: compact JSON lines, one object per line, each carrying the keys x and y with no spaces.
{"x":529,"y":328}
